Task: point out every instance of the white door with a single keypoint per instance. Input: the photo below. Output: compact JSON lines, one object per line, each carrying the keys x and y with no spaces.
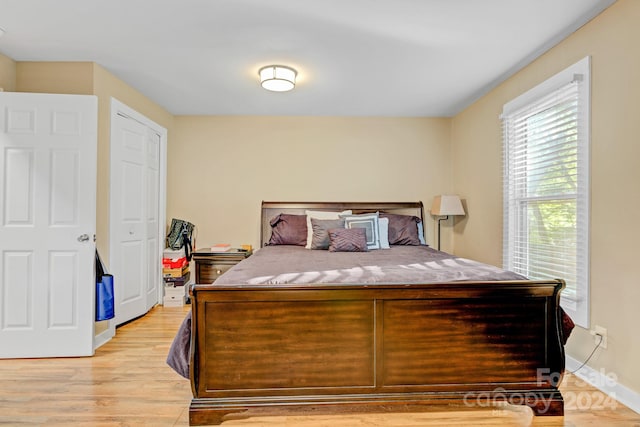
{"x":48,"y":146}
{"x":135,"y":216}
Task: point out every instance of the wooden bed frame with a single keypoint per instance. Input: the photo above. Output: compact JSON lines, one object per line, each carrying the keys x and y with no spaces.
{"x":307,"y":349}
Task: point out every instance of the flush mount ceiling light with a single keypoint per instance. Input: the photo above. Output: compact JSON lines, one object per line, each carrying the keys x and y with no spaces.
{"x":277,"y":78}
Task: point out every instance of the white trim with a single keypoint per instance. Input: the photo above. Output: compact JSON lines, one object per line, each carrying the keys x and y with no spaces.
{"x":603,"y":382}
{"x":553,"y":83}
{"x":118,"y":107}
{"x":577,"y":307}
{"x":102,"y":338}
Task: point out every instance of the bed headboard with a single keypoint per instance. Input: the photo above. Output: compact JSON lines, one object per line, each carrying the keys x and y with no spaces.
{"x":271,"y":209}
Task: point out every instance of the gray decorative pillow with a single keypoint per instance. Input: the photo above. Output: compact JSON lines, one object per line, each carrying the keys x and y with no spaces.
{"x":320,"y":231}
{"x":347,"y":240}
{"x":320,"y":215}
{"x":369,"y":222}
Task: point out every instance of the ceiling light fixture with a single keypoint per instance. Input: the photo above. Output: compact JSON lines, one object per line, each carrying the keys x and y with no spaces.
{"x":277,"y":78}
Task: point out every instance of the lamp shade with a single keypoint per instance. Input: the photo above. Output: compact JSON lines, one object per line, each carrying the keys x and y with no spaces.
{"x":277,"y":78}
{"x":447,"y":205}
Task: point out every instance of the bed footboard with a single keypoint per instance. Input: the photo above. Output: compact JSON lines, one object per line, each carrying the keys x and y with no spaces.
{"x":263,"y":350}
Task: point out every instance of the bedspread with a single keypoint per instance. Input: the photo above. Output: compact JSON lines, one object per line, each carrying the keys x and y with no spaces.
{"x":277,"y":265}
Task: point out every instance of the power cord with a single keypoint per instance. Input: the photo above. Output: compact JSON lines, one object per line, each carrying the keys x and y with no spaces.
{"x":591,"y":355}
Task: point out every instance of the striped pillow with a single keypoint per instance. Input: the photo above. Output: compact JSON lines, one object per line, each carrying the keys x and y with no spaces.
{"x":347,"y":240}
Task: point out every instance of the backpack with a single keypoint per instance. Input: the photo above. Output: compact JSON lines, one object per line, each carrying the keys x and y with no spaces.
{"x":181,"y":235}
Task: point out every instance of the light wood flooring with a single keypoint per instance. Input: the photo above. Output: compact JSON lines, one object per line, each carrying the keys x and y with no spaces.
{"x":127,"y":383}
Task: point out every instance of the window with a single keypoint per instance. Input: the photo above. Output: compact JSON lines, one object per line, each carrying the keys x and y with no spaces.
{"x":546,"y":185}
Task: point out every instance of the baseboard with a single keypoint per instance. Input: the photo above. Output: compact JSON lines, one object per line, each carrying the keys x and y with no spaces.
{"x":602,"y":381}
{"x":102,"y":338}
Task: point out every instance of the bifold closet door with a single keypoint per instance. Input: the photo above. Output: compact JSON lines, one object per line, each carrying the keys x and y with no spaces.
{"x":135,"y":157}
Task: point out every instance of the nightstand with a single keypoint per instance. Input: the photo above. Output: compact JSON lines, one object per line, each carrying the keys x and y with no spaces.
{"x":210,"y":265}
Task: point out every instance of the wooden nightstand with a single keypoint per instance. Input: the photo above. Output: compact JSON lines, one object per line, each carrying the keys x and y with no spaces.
{"x":210,"y":265}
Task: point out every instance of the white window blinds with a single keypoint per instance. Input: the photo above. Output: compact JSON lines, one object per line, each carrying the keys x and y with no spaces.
{"x":546,"y":187}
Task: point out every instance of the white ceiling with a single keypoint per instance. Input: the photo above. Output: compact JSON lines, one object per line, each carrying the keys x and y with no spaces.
{"x":354,"y":57}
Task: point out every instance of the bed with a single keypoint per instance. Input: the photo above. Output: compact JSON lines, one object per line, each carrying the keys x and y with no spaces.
{"x":404,"y":328}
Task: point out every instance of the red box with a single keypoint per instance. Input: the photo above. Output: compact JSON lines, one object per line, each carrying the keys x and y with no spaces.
{"x":174,"y":263}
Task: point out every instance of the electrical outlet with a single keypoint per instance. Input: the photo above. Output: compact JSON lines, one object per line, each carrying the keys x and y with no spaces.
{"x":598,"y":331}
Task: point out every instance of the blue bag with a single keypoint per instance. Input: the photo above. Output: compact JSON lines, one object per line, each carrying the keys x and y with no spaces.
{"x":104,"y":298}
{"x":104,"y":292}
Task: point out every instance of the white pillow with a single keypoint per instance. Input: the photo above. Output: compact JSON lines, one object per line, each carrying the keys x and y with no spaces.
{"x":320,"y":215}
{"x":383,"y":226}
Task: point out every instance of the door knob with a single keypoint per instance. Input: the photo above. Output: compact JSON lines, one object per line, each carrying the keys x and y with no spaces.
{"x":83,"y":238}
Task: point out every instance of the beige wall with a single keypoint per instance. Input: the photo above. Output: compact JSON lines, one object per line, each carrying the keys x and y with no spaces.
{"x":221,"y":168}
{"x":611,"y":40}
{"x":7,"y":74}
{"x":55,"y":77}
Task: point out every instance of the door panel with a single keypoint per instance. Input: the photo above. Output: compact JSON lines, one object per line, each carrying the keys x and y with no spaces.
{"x":48,"y":193}
{"x":132,"y":272}
{"x":18,"y":197}
{"x":129,"y":199}
{"x":17,"y":308}
{"x":63,"y":288}
{"x":136,"y":159}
